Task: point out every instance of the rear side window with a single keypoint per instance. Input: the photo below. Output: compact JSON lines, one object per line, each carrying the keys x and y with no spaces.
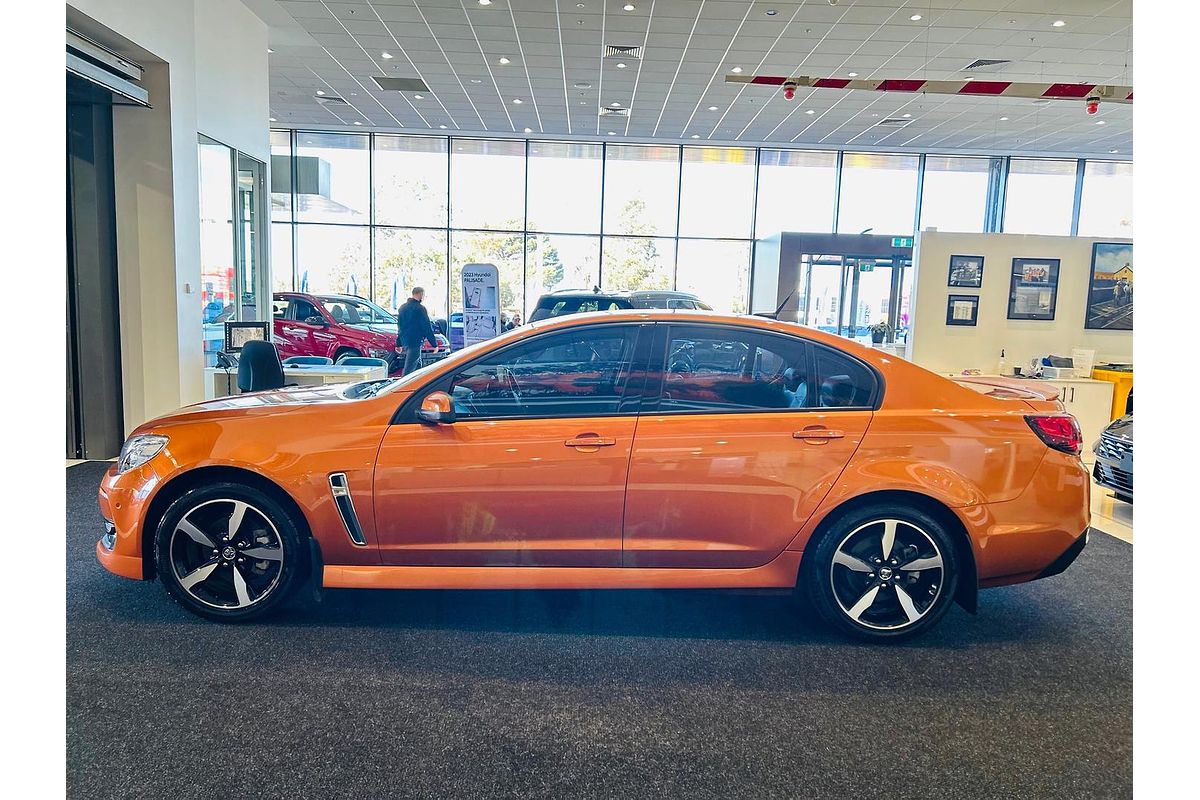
{"x":725,"y":369}
{"x":843,"y":382}
{"x":302,"y":310}
{"x":279,"y":308}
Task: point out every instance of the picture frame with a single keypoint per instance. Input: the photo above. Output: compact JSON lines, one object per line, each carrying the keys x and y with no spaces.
{"x":238,"y":333}
{"x":966,"y":272}
{"x":962,"y":309}
{"x":1033,"y":288}
{"x":1110,"y":288}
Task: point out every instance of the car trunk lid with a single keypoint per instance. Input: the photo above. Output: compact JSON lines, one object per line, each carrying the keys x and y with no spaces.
{"x":1042,"y":397}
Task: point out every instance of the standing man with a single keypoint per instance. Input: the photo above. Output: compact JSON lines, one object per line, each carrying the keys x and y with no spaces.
{"x":414,"y":328}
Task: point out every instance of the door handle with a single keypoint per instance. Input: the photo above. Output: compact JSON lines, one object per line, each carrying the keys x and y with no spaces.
{"x":590,"y":440}
{"x":818,"y":434}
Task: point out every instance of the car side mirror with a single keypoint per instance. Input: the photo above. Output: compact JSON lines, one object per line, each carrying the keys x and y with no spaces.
{"x":437,"y":408}
{"x":316,"y":320}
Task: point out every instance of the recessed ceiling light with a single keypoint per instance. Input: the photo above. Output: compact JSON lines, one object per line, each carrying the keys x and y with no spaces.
{"x":614,"y":105}
{"x":712,"y":108}
{"x":1101,"y":122}
{"x":583,"y":86}
{"x":579,"y":5}
{"x":915,"y":17}
{"x":771,"y":12}
{"x":419,"y":96}
{"x":614,"y":133}
{"x":320,"y":93}
{"x":810,"y":111}
{"x":695,"y":136}
{"x":1058,"y":23}
{"x":629,"y":6}
{"x":385,"y":54}
{"x":737,"y":69}
{"x":272,"y":119}
{"x":1112,"y":151}
{"x":906,"y":116}
{"x":504,"y":60}
{"x":485,"y":2}
{"x":853,"y":74}
{"x":518,"y":100}
{"x":443,"y":127}
{"x":529,"y":130}
{"x":620,"y":65}
{"x":476,"y":80}
{"x":1004,"y":119}
{"x":269,"y":50}
{"x":356,"y":122}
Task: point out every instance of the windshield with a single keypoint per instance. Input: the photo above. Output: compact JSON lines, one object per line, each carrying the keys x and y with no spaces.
{"x":356,"y":311}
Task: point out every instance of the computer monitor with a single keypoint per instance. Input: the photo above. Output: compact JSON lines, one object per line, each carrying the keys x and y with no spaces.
{"x":238,"y":333}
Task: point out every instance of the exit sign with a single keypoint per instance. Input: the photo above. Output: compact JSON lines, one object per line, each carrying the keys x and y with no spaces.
{"x":902,"y":241}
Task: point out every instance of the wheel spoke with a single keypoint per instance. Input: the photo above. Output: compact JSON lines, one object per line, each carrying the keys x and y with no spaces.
{"x":918,"y":564}
{"x":197,"y":535}
{"x":864,"y":602}
{"x":240,"y":588}
{"x":906,"y":603}
{"x":264,"y":553}
{"x":850,"y":562}
{"x":889,"y":538}
{"x":235,"y":519}
{"x":198,"y":575}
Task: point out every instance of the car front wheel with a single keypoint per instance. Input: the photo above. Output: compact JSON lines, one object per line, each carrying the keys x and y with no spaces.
{"x":881,"y":572}
{"x":228,"y":552}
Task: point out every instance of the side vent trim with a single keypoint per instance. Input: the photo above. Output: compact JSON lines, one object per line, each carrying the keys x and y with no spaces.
{"x":339,"y":487}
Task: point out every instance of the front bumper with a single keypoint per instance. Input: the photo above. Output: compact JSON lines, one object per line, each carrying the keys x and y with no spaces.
{"x":123,"y":500}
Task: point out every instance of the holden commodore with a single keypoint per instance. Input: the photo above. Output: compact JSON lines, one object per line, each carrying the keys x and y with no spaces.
{"x":623,"y":449}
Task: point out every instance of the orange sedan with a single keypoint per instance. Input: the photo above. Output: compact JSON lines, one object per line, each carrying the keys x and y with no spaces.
{"x":658,"y":449}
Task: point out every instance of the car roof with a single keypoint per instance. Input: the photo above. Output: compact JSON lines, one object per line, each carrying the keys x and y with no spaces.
{"x":623,"y":294}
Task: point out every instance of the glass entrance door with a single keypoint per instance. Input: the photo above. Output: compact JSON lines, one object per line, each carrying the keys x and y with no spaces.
{"x":846,"y":294}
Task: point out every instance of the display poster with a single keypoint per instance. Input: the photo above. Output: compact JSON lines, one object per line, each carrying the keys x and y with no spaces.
{"x":481,"y":302}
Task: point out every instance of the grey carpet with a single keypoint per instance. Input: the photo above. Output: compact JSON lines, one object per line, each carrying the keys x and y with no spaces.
{"x":593,"y":694}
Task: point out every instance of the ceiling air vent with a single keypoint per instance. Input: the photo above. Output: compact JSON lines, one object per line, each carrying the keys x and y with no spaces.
{"x":982,"y":64}
{"x":894,"y":122}
{"x":614,"y":112}
{"x":622,"y":51}
{"x":399,"y":84}
{"x":330,"y":100}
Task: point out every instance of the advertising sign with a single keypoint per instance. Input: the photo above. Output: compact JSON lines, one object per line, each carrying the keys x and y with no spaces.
{"x":481,"y":302}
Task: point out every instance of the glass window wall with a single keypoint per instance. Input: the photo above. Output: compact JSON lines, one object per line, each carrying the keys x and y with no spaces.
{"x":796,"y":190}
{"x":954,"y":193}
{"x":879,"y":194}
{"x":332,"y":173}
{"x":641,"y":190}
{"x":1039,"y":197}
{"x":1106,"y":208}
{"x":410,"y":181}
{"x":564,"y":187}
{"x":717,"y":192}
{"x":487,"y":184}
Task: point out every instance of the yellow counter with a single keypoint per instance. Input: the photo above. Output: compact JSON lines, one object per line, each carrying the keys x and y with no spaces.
{"x":1124,"y":383}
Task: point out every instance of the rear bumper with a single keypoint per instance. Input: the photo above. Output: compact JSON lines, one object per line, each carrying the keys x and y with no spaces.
{"x":1068,"y":557}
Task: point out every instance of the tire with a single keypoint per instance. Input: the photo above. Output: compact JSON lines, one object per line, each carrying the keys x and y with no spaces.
{"x":868,"y":593}
{"x":216,"y":577}
{"x":343,"y":352}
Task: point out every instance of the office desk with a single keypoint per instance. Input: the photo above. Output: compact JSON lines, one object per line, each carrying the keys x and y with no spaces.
{"x":218,"y":383}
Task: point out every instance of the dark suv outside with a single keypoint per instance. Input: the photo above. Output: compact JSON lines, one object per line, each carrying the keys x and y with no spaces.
{"x":575,"y":301}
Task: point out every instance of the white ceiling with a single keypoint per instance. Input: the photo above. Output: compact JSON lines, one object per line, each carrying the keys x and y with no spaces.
{"x":689,"y":46}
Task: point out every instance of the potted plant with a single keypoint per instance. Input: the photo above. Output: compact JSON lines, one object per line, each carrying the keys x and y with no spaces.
{"x":879,"y":332}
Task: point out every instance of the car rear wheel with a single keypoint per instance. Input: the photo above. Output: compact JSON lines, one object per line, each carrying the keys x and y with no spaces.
{"x":228,"y":552}
{"x":345,"y":352}
{"x":881,"y":572}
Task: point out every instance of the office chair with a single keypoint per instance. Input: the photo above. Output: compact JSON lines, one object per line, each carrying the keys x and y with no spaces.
{"x":314,"y":361}
{"x":259,"y":367}
{"x":361,"y":361}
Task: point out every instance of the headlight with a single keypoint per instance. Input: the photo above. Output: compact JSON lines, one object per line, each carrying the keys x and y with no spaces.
{"x":138,"y":450}
{"x":375,"y":352}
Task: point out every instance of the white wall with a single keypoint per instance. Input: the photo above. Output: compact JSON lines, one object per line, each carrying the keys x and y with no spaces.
{"x":947,"y":348}
{"x":206,"y":69}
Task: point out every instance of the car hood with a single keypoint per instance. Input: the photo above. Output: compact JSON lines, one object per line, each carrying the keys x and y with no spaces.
{"x":276,"y":401}
{"x":1121,"y":428}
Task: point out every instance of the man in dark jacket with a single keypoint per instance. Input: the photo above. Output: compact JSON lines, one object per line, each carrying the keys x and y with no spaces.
{"x":414,"y":329}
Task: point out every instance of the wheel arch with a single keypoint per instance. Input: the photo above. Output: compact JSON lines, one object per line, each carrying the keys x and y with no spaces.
{"x":174,"y":488}
{"x":968,"y":584}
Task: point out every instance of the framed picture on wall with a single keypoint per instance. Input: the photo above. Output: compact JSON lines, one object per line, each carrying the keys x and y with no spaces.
{"x":1110,"y":291}
{"x":962,"y":309}
{"x":966,"y":272}
{"x":1033,"y":288}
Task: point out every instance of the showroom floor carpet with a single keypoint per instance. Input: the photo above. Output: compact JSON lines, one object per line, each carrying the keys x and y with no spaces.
{"x":592,"y":694}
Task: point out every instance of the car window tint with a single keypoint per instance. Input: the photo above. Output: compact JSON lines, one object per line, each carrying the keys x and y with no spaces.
{"x":302,"y":310}
{"x":577,"y":373}
{"x":724,"y":369}
{"x":843,"y":382}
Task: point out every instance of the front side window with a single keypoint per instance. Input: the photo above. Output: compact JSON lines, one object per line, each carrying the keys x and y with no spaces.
{"x":725,"y":369}
{"x":356,"y":312}
{"x":843,"y":382}
{"x":578,"y":373}
{"x":302,"y":310}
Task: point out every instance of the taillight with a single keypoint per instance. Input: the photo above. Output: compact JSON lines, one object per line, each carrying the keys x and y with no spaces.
{"x":1058,"y":431}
